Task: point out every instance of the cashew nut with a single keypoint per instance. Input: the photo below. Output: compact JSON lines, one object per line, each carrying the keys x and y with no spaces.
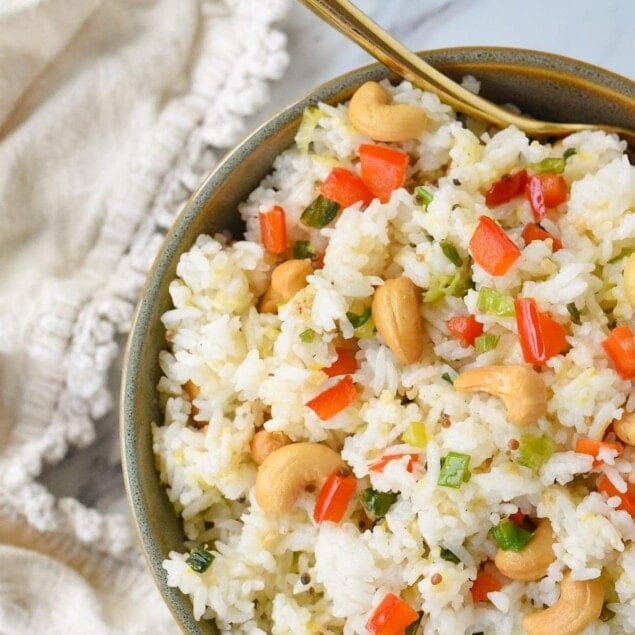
{"x":521,"y":388}
{"x":290,"y":276}
{"x":263,"y":443}
{"x":287,"y":471}
{"x":580,"y":603}
{"x":532,"y":561}
{"x":628,"y":278}
{"x":371,"y":113}
{"x":624,"y":428}
{"x":269,"y":301}
{"x":397,"y":317}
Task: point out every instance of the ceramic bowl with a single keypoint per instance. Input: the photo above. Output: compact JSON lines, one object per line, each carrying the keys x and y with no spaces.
{"x":544,"y":85}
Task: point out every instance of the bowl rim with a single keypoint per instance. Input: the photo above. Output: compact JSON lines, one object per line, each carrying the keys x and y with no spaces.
{"x":531,"y":61}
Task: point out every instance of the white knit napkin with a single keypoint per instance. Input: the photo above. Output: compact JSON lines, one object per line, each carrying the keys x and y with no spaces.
{"x":111,"y":113}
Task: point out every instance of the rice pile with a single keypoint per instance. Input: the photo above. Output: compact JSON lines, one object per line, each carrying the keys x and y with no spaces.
{"x":286,"y":573}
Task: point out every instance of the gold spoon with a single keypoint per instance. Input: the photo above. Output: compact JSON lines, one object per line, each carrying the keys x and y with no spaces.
{"x":356,"y":25}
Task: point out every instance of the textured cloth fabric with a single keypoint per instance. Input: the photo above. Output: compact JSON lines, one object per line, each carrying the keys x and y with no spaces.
{"x":111,"y":113}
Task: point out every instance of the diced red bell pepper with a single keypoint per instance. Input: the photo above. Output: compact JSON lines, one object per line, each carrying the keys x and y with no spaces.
{"x":334,"y":399}
{"x":541,"y":337}
{"x":343,"y":365}
{"x":620,"y":347}
{"x":627,"y":498}
{"x":546,"y":191}
{"x":334,"y":497}
{"x":536,"y":197}
{"x":585,"y":445}
{"x":507,"y":188}
{"x":533,"y":231}
{"x":273,"y":230}
{"x":391,"y":617}
{"x":378,"y":466}
{"x":465,"y":328}
{"x":485,"y":583}
{"x":345,"y":188}
{"x":492,"y":248}
{"x":383,"y":169}
{"x":518,"y":518}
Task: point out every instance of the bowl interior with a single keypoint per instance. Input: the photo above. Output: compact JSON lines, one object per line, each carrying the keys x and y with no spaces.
{"x":544,"y":85}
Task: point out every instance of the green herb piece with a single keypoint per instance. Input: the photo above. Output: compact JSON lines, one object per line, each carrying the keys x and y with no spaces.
{"x":366,"y":330}
{"x":441,"y":286}
{"x":569,"y":152}
{"x":320,"y":212}
{"x":494,"y":302}
{"x":310,"y":117}
{"x":606,"y":615}
{"x":533,"y":451}
{"x":450,"y":556}
{"x":485,"y":342}
{"x":508,"y":536}
{"x":415,"y":434}
{"x":574,"y":312}
{"x":199,"y":559}
{"x":307,"y":336}
{"x":451,"y":253}
{"x":359,"y":319}
{"x":454,"y":470}
{"x":302,"y":249}
{"x":377,"y":503}
{"x":551,"y":164}
{"x":447,"y":378}
{"x":414,"y":627}
{"x":423,"y":197}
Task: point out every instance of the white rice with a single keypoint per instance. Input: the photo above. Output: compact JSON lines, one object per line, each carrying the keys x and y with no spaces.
{"x":254,"y":369}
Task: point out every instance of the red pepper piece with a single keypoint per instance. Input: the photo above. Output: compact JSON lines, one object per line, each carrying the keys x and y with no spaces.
{"x":343,"y":365}
{"x":465,"y":328}
{"x":627,"y":499}
{"x":541,"y":337}
{"x":334,"y":497}
{"x":378,"y":466}
{"x":485,"y":583}
{"x":273,"y":230}
{"x":533,"y":231}
{"x":554,"y":189}
{"x":391,"y":617}
{"x":620,"y":348}
{"x":383,"y":169}
{"x":345,"y":188}
{"x":334,"y":399}
{"x":536,"y":197}
{"x":507,"y":188}
{"x":585,"y":445}
{"x":492,"y":248}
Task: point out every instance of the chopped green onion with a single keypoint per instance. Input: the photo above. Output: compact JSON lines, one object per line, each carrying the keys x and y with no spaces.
{"x":454,"y":470}
{"x":320,"y":212}
{"x":494,"y":302}
{"x":574,"y":312}
{"x":534,"y":452}
{"x":366,"y":330}
{"x":423,"y":197}
{"x":415,"y":434}
{"x":307,"y":336}
{"x":359,"y":319}
{"x":551,"y":164}
{"x":413,"y":628}
{"x":302,"y":249}
{"x":310,"y":117}
{"x":441,"y":286}
{"x":451,"y":253}
{"x":606,"y":615}
{"x":447,"y":378}
{"x":510,"y":537}
{"x":485,"y":342}
{"x":450,"y":556}
{"x":199,"y":559}
{"x":569,"y":152}
{"x":377,"y":503}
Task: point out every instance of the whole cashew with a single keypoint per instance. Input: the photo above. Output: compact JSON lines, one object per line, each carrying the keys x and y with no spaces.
{"x":624,"y":428}
{"x":580,"y":603}
{"x":532,"y":561}
{"x":263,"y":443}
{"x":287,"y":471}
{"x":628,"y":278}
{"x":521,"y":388}
{"x":397,"y":317}
{"x":289,"y":277}
{"x":371,"y":113}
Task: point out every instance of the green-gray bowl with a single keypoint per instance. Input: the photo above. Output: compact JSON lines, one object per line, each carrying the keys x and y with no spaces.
{"x":547,"y":86}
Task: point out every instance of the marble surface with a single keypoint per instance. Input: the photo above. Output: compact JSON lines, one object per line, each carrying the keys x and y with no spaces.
{"x":599,"y":33}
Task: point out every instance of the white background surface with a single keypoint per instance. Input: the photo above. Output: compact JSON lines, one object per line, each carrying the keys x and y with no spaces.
{"x":599,"y":32}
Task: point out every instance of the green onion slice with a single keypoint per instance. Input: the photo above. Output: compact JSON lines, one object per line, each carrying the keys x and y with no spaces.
{"x":307,"y":336}
{"x":454,"y":470}
{"x":447,"y":378}
{"x":359,"y":319}
{"x":320,"y":212}
{"x":486,"y":342}
{"x":377,"y":503}
{"x":423,"y":197}
{"x":508,"y":536}
{"x":450,"y":556}
{"x":199,"y":559}
{"x":533,"y":451}
{"x":574,"y":312}
{"x":494,"y":302}
{"x":302,"y":249}
{"x":451,"y":253}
